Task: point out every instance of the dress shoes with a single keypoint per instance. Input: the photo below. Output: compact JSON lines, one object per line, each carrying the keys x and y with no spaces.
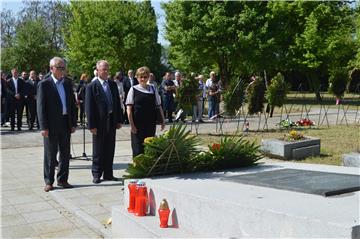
{"x":111,"y":179}
{"x":64,"y":185}
{"x":96,"y":180}
{"x":48,"y":187}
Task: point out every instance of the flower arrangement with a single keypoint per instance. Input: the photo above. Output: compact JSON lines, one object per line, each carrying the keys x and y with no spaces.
{"x":305,"y":122}
{"x":187,"y":93}
{"x":276,"y":92}
{"x":175,"y":152}
{"x":215,"y":147}
{"x":256,"y":96}
{"x":230,"y":152}
{"x":286,"y":123}
{"x":234,"y":96}
{"x":165,"y":154}
{"x":294,"y":136}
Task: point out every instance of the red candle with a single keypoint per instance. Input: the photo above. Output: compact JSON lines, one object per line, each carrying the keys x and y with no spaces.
{"x":141,"y":200}
{"x":164,"y":212}
{"x":132,"y":195}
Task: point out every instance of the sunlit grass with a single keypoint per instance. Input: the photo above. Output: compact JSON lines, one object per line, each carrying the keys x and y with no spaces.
{"x":335,"y":141}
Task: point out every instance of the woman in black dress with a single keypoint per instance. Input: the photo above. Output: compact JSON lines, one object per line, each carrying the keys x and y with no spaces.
{"x":143,"y":101}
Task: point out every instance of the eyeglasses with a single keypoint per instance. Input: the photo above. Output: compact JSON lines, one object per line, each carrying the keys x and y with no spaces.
{"x":62,"y":68}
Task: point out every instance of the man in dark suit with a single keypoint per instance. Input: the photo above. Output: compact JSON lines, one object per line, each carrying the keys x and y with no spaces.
{"x":104,"y":116}
{"x":128,"y":83}
{"x":4,"y":100}
{"x":56,"y":112}
{"x":16,"y":92}
{"x":31,"y":85}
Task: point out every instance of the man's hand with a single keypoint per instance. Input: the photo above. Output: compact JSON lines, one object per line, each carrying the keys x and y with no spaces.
{"x":93,"y":131}
{"x":45,"y":133}
{"x":73,"y":129}
{"x":133,"y":129}
{"x":118,"y":126}
{"x":17,"y":96}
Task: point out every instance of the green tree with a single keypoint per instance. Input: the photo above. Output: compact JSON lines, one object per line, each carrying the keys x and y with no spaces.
{"x":54,"y":13}
{"x":326,"y":41}
{"x":124,"y":33}
{"x":31,"y":47}
{"x":212,"y":34}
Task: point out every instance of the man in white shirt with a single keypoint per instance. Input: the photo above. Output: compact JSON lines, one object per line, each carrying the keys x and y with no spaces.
{"x":16,"y":90}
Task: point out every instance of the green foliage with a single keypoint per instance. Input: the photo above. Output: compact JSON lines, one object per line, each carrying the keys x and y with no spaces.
{"x":31,"y":49}
{"x":229,"y":153}
{"x":326,"y":39}
{"x":338,"y":81}
{"x":256,"y":96}
{"x":165,"y":154}
{"x":234,"y":96}
{"x":277,"y":90}
{"x":122,"y":32}
{"x":187,"y":93}
{"x":212,"y":33}
{"x":175,"y":152}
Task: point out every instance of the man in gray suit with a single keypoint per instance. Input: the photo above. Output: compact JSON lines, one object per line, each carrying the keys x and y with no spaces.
{"x":57,"y":119}
{"x":104,"y":116}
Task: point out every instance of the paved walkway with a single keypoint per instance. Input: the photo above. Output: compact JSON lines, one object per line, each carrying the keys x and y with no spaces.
{"x":81,"y":212}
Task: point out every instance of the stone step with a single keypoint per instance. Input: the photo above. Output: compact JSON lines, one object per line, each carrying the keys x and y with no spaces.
{"x":127,"y":225}
{"x":205,"y":205}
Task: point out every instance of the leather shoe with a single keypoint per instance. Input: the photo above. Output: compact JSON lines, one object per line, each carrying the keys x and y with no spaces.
{"x":112,"y":179}
{"x":48,"y":187}
{"x":64,"y":185}
{"x":96,"y":180}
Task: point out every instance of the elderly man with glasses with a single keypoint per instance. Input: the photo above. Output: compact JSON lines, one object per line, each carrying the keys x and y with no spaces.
{"x":57,"y":118}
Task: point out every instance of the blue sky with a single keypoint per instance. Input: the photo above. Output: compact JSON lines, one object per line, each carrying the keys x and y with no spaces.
{"x":16,"y":5}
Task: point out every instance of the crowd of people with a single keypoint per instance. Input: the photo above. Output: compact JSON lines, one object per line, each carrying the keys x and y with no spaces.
{"x":55,"y":105}
{"x":19,"y":92}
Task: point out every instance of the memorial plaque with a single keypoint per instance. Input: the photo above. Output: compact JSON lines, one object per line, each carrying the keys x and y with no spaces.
{"x":313,"y":182}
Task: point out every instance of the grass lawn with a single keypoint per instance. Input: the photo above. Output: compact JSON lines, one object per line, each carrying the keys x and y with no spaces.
{"x":335,"y":141}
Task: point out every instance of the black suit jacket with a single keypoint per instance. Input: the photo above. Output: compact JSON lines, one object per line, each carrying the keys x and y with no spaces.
{"x":127,"y":85}
{"x":11,"y":89}
{"x":96,"y":106}
{"x":49,"y":106}
{"x":30,"y":89}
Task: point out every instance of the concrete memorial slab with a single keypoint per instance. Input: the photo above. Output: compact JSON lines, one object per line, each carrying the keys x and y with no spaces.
{"x":206,"y":205}
{"x":291,"y":149}
{"x":313,"y":182}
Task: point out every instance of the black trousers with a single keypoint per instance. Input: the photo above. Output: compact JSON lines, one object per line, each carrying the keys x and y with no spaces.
{"x":82,"y":112}
{"x":57,"y":142}
{"x":30,"y":112}
{"x":137,"y":140}
{"x":103,"y":152}
{"x":18,"y":107}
